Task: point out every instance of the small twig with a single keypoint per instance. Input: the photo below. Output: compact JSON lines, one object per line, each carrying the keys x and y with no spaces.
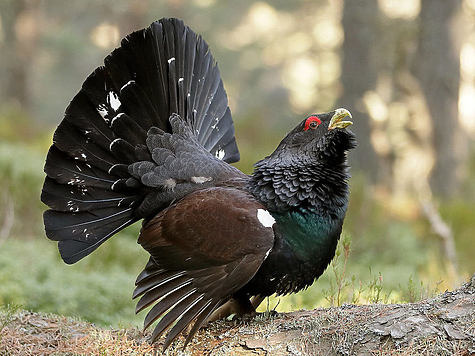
{"x":440,"y":228}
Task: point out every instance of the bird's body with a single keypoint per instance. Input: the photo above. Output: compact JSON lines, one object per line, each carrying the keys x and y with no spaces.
{"x":150,"y":136}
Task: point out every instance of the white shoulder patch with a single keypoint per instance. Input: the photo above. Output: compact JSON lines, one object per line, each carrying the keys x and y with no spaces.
{"x":265,"y":218}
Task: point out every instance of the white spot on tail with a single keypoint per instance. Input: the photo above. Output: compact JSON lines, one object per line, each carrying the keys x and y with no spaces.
{"x":114,"y":101}
{"x":265,"y":218}
{"x":180,"y":80}
{"x":220,"y":154}
{"x":128,"y":83}
{"x":113,"y":142}
{"x":102,"y":109}
{"x":200,"y":180}
{"x":113,"y":184}
{"x":72,"y":207}
{"x":171,"y":60}
{"x":111,"y":168}
{"x":116,"y":118}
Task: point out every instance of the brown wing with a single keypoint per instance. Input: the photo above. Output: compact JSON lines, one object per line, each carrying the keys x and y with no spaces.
{"x":203,"y":249}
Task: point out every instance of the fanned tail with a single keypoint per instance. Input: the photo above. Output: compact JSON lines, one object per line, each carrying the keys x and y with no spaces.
{"x":162,"y":70}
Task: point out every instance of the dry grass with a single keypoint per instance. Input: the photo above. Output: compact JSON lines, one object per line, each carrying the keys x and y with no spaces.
{"x":430,"y":346}
{"x":440,"y":326}
{"x":27,"y":333}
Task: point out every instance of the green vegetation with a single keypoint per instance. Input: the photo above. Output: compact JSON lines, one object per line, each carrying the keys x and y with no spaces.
{"x":7,"y":314}
{"x":98,"y":289}
{"x":21,"y":178}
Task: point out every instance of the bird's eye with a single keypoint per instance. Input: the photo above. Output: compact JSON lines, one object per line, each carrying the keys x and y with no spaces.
{"x":312,"y":123}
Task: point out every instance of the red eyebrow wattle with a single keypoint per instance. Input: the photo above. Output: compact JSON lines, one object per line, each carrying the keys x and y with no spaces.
{"x":311,"y":119}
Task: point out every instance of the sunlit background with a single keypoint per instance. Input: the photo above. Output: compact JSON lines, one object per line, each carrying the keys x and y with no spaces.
{"x":404,"y":68}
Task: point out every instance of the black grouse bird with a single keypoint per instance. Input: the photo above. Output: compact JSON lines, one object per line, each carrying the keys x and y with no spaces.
{"x":150,"y":136}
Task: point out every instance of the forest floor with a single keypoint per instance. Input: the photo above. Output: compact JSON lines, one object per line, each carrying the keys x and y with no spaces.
{"x":443,"y":325}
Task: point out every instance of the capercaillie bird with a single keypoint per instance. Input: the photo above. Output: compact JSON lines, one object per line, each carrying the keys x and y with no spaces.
{"x":150,"y":136}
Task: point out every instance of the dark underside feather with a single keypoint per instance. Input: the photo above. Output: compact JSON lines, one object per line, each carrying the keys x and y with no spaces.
{"x":198,"y":261}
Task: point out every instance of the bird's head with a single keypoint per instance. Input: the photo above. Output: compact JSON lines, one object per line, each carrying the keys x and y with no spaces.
{"x":322,"y":136}
{"x":308,"y":167}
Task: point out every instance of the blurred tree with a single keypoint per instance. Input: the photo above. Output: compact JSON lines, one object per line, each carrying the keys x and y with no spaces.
{"x":134,"y":18}
{"x":438,"y":70}
{"x":20,"y":35}
{"x":358,"y":76}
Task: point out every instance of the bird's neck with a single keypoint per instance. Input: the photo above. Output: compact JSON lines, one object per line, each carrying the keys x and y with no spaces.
{"x":296,"y":185}
{"x":309,"y":202}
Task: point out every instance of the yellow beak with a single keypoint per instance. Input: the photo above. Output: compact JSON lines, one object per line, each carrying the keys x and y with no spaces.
{"x":336,"y":123}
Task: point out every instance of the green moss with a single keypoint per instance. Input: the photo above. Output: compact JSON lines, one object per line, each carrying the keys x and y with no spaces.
{"x":98,"y":289}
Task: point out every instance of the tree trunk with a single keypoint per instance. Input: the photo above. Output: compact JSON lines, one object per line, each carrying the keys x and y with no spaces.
{"x":443,"y":325}
{"x":16,"y":52}
{"x":134,"y":18}
{"x":359,"y":75}
{"x":438,"y":70}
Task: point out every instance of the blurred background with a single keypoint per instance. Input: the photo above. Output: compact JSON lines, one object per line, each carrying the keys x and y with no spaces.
{"x":404,"y":68}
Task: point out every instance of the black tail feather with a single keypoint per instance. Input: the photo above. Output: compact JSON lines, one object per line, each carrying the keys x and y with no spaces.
{"x":149,"y":271}
{"x":202,"y":315}
{"x":138,"y":105}
{"x":162,"y":70}
{"x":74,"y":172}
{"x":75,"y":199}
{"x":186,"y":297}
{"x":127,"y":128}
{"x":85,"y":231}
{"x":181,"y":305}
{"x":172,"y":298}
{"x":159,"y":291}
{"x":199,"y":309}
